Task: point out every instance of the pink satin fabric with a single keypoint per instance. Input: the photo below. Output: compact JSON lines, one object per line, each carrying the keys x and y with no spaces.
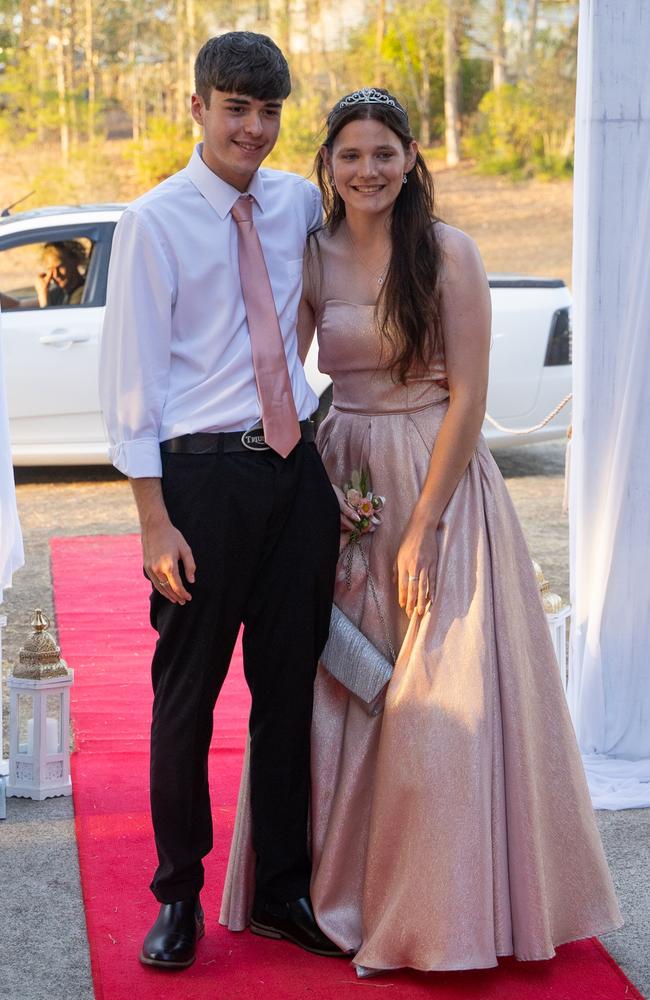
{"x":279,"y":417}
{"x":457,"y":826}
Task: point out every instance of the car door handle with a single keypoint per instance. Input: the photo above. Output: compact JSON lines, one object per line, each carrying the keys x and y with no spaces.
{"x":61,"y":336}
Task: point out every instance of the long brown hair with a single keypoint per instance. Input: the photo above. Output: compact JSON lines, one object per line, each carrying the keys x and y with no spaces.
{"x":408,"y":305}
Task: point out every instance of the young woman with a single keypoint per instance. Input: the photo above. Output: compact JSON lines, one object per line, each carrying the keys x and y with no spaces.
{"x":456,"y":826}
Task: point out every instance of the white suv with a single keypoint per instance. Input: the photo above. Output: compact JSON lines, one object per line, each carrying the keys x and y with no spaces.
{"x":51,"y":351}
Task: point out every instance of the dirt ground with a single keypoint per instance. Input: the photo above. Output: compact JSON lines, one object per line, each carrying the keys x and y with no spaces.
{"x":519,"y":226}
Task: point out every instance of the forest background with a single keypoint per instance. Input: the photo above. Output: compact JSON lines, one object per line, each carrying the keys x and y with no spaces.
{"x":94,"y":94}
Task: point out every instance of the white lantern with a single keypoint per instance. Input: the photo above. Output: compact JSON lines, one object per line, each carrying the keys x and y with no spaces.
{"x":39,"y":718}
{"x":558,"y":616}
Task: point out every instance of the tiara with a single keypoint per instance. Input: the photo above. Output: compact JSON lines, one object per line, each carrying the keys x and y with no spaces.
{"x":369,"y":95}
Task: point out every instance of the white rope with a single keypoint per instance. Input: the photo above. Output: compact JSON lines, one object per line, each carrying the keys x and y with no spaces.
{"x":529,"y":430}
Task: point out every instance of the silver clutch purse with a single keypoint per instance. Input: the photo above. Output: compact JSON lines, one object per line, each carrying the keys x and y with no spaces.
{"x":353,"y":660}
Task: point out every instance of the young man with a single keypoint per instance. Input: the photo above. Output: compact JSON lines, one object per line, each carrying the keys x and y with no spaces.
{"x":207,"y":408}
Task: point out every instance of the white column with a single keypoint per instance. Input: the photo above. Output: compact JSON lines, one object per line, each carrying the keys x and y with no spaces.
{"x":609,"y":680}
{"x":11,"y":543}
{"x":4,"y":764}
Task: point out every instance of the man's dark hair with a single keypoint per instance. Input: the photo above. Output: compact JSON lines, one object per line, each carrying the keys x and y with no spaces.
{"x":242,"y":62}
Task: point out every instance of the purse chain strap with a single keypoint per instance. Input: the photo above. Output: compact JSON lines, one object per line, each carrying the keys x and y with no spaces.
{"x":349,"y":549}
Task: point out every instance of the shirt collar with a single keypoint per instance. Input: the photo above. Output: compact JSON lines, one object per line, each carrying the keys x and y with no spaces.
{"x":217,"y":192}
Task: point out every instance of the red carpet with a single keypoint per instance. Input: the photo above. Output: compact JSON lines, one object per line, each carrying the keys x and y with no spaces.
{"x":101,"y":614}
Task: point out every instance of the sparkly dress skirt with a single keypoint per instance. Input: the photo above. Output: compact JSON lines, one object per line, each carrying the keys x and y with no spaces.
{"x":456,"y":826}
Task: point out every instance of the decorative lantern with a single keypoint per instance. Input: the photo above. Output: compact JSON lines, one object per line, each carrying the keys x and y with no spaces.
{"x":39,"y":718}
{"x":558,"y":613}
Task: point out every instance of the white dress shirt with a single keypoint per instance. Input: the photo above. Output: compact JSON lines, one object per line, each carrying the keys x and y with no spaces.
{"x":175,"y":353}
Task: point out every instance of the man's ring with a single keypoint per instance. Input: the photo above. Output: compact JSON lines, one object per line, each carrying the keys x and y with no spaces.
{"x":411,"y":578}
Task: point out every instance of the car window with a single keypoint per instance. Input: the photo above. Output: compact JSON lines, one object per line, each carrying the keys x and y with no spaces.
{"x":46,"y":274}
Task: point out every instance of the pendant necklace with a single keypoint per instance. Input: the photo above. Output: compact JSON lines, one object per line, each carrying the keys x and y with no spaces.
{"x":373,"y":274}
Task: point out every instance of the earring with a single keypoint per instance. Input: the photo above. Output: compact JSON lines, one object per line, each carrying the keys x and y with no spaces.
{"x":405,"y":178}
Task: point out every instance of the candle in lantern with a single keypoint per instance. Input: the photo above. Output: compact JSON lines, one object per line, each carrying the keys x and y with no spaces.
{"x":52,"y":736}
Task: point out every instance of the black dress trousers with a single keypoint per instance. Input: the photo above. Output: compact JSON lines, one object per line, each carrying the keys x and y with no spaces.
{"x":264,"y":532}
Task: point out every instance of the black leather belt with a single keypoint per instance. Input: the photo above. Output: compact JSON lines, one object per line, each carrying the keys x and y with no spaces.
{"x":211,"y":444}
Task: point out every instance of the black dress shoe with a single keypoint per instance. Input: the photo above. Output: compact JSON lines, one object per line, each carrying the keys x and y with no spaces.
{"x":295,"y":922}
{"x":171,"y":942}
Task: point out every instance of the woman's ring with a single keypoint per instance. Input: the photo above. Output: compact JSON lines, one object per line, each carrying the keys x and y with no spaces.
{"x":163,"y":583}
{"x":411,"y":578}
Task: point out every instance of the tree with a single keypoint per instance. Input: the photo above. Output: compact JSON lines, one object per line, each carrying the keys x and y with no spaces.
{"x":67,"y":67}
{"x":452,"y":83}
{"x":61,"y":40}
{"x":380,"y":31}
{"x":415,"y":54}
{"x":499,"y":44}
{"x":531,"y":30}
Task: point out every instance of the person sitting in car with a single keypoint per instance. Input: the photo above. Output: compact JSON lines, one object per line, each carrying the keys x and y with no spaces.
{"x":62,"y":281}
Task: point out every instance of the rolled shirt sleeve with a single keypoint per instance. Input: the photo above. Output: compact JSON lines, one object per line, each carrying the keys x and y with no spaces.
{"x":135,"y":347}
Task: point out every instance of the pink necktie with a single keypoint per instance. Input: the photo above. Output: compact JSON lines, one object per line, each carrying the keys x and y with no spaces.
{"x":279,"y":417}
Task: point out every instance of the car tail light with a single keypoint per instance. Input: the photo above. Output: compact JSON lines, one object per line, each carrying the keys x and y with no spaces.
{"x":558,"y":351}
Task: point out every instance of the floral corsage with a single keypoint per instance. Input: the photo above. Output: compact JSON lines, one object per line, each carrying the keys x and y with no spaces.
{"x":366,"y":504}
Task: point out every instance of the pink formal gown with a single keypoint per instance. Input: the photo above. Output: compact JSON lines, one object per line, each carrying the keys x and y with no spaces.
{"x":456,"y":827}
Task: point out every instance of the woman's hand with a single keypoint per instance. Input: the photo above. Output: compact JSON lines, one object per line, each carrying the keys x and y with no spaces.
{"x":415,"y":566}
{"x":42,"y":283}
{"x":349,"y":517}
{"x":465,"y":312}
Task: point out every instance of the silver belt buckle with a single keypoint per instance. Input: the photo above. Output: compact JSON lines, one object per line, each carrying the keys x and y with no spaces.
{"x":254,"y":440}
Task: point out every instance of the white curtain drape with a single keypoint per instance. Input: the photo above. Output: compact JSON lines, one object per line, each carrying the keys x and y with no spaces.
{"x":11,"y":543}
{"x":609,"y":685}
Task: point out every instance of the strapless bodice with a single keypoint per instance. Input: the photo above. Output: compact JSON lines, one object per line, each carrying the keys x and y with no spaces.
{"x":350,"y":352}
